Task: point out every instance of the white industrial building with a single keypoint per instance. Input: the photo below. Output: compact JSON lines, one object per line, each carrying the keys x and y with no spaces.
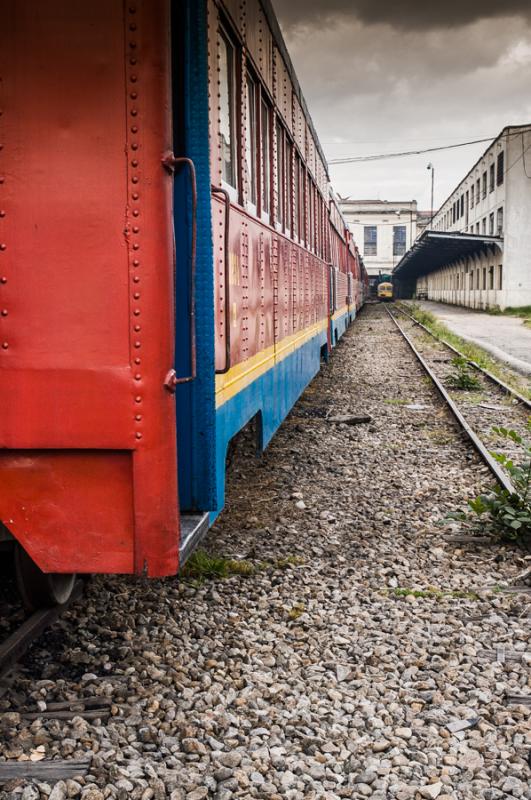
{"x":477,"y":251}
{"x":383,"y":230}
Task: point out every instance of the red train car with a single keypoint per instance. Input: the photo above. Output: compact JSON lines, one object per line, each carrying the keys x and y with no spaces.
{"x":172,"y":265}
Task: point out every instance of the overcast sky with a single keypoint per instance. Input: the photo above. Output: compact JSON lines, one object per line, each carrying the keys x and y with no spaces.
{"x":388,"y":76}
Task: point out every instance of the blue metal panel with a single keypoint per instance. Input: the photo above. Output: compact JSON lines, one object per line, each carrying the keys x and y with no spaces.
{"x":195,"y":401}
{"x":271,"y":396}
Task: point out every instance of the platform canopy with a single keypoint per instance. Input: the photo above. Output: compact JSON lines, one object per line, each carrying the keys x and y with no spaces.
{"x":435,"y":249}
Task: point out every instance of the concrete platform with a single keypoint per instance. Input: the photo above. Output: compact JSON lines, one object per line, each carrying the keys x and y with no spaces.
{"x":506,"y":338}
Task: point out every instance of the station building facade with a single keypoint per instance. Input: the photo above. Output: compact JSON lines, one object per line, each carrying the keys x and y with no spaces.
{"x":384,"y":231}
{"x":477,"y":250}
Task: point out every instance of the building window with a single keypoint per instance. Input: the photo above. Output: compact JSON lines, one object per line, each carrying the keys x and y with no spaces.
{"x":477,"y":191}
{"x":491,"y":178}
{"x":250,"y":141}
{"x":370,"y":240}
{"x":227,"y":110}
{"x":466,"y":208}
{"x":491,"y":277}
{"x":462,"y":209}
{"x":399,"y":240}
{"x":484,"y":226}
{"x":472,"y":196}
{"x":477,"y":227}
{"x":499,"y":222}
{"x":491,"y":224}
{"x":484,"y":277}
{"x":499,"y":168}
{"x":296,"y":197}
{"x":477,"y":279}
{"x":500,"y":276}
{"x":484,"y":185}
{"x":266,"y":156}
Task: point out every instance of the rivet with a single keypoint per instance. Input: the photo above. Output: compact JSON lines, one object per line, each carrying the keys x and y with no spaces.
{"x":3,"y":246}
{"x":137,"y":361}
{"x":135,"y":196}
{"x":2,"y":213}
{"x":136,"y":262}
{"x":134,"y":129}
{"x":4,"y":312}
{"x":2,"y":179}
{"x":138,"y":435}
{"x":136,"y":212}
{"x":138,"y":376}
{"x":132,"y":10}
{"x":137,"y":344}
{"x":136,"y":246}
{"x":134,"y":112}
{"x":5,"y":345}
{"x":132,"y":61}
{"x":137,"y":329}
{"x":3,"y":280}
{"x":133,"y":95}
{"x":133,"y":78}
{"x":132,"y":27}
{"x":136,"y":312}
{"x":138,"y":399}
{"x":134,"y":179}
{"x":136,"y":295}
{"x":138,"y":417}
{"x":134,"y":162}
{"x":134,"y":146}
{"x":132,"y":45}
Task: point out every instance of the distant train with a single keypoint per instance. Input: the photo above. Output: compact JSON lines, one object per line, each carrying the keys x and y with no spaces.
{"x":385,"y":291}
{"x":173,"y":264}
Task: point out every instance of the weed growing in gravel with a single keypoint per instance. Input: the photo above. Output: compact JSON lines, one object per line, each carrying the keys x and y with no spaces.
{"x":508,"y":513}
{"x":203,"y":565}
{"x":396,"y":401}
{"x":462,"y":378}
{"x":297,"y":611}
{"x":468,"y":350}
{"x":432,"y":592}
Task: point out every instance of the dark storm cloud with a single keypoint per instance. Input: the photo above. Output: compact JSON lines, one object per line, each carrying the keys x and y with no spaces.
{"x":403,"y":14}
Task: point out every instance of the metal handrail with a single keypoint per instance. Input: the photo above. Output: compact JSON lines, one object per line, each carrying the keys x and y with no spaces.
{"x":226,"y":197}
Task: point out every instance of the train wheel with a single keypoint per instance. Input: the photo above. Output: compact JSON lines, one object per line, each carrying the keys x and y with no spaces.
{"x":38,"y":589}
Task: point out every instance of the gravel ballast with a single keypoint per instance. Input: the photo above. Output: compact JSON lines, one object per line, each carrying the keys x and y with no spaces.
{"x":364,"y":654}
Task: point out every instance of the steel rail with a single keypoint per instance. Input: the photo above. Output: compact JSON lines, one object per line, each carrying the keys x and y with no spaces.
{"x":500,"y":476}
{"x":16,"y":645}
{"x":474,"y":364}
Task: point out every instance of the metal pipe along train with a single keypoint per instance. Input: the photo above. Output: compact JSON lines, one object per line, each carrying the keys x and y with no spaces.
{"x":173,"y":264}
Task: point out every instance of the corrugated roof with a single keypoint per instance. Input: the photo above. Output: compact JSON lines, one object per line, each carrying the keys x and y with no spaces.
{"x":435,"y":249}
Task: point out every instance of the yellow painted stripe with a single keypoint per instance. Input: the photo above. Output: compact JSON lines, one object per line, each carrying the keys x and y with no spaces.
{"x":340,"y":313}
{"x":243,"y":374}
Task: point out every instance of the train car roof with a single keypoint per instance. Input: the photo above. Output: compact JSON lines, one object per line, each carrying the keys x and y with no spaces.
{"x":271,"y":17}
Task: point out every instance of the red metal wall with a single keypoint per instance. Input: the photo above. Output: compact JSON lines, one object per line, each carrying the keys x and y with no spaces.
{"x":88,"y":465}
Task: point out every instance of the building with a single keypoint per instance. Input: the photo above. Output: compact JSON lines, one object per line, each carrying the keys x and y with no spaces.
{"x":383,"y":229}
{"x":477,"y":252}
{"x":423,"y":221}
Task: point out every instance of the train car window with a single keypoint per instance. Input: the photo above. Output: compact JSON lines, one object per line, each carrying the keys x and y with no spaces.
{"x":265,"y":135}
{"x":289,"y":184}
{"x":227,"y":110}
{"x":280,"y":175}
{"x":296,"y":198}
{"x":250,"y":141}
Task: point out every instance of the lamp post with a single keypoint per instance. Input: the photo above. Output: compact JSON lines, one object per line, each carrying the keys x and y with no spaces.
{"x":432,"y":168}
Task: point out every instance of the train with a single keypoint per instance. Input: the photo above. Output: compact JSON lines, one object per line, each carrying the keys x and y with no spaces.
{"x":173,"y":265}
{"x":385,"y":291}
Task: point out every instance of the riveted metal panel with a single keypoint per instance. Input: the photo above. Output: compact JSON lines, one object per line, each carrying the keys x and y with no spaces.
{"x":88,"y":284}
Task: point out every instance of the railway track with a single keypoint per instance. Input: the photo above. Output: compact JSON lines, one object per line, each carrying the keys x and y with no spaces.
{"x":18,"y":643}
{"x":473,"y":410}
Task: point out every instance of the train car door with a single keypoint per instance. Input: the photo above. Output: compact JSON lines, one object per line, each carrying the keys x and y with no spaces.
{"x":87,"y":428}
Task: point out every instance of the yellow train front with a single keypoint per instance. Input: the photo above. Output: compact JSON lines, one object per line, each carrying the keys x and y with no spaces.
{"x":385,"y":291}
